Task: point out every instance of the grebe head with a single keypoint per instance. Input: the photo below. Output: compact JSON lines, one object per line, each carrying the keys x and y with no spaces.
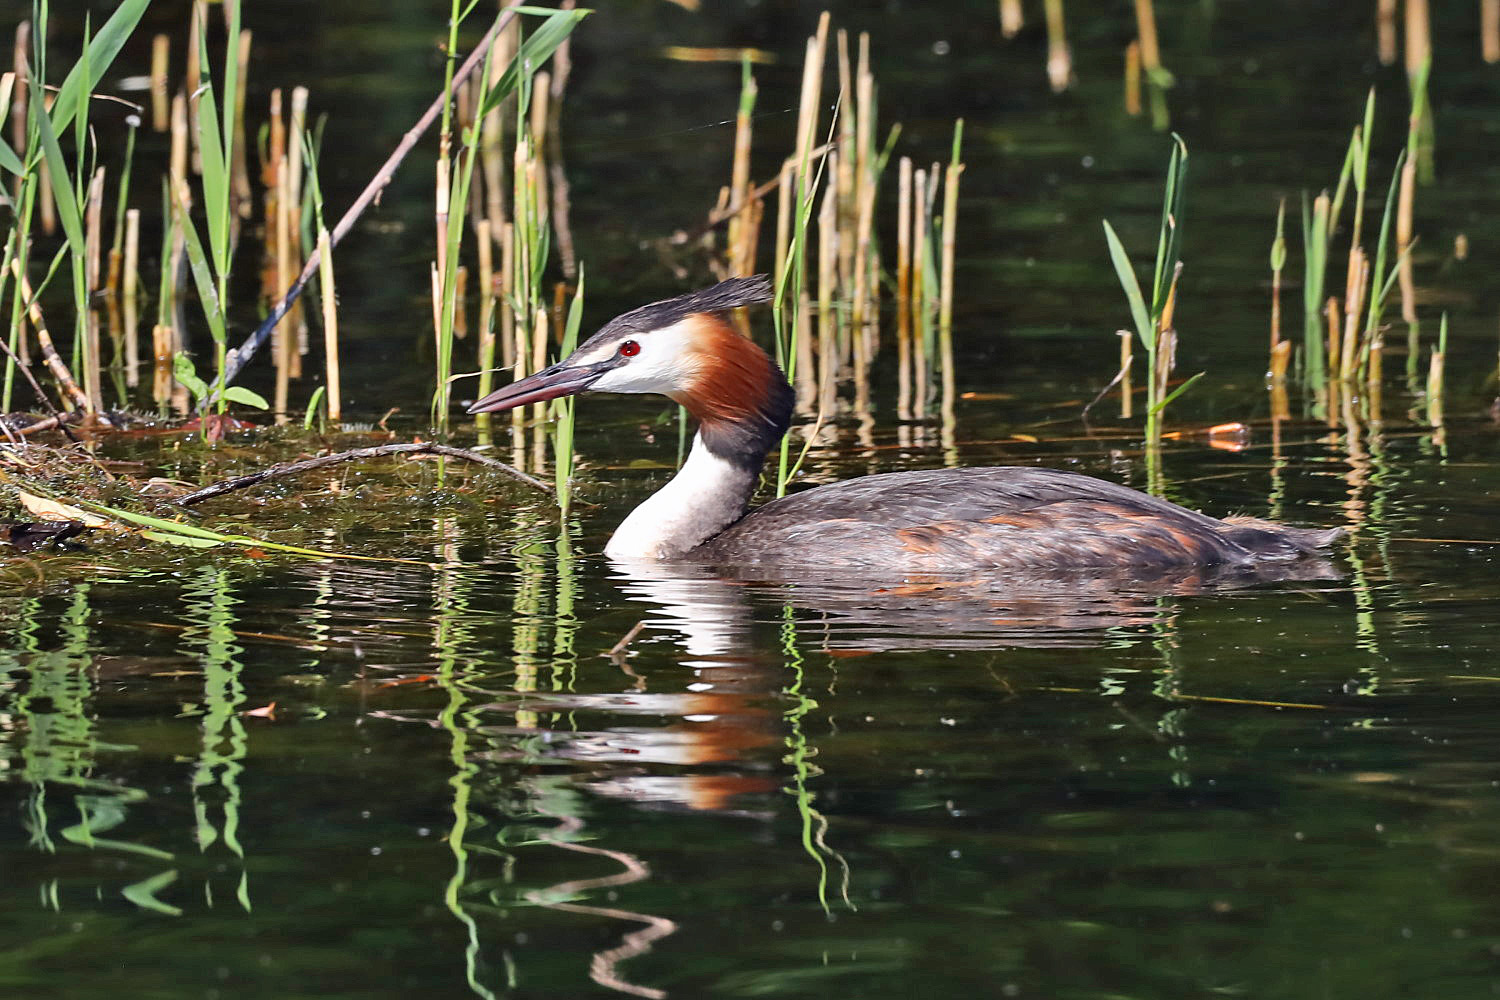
{"x":683,"y":348}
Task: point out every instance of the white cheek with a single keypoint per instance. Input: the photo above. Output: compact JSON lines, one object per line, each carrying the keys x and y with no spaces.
{"x":660,"y":367}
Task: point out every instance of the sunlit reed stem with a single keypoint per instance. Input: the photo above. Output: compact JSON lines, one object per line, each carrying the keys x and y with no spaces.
{"x":1059,"y":56}
{"x":1335,"y":339}
{"x":1435,"y":376}
{"x":919,"y":324}
{"x":1418,"y":69}
{"x":862,"y":309}
{"x":950,"y":239}
{"x":47,"y":204}
{"x":1133,"y":78}
{"x":93,"y":232}
{"x":739,"y":182}
{"x":1011,"y":18}
{"x":20,"y":82}
{"x":1356,"y":280}
{"x":485,"y":248}
{"x":1127,"y":364}
{"x":161,"y":49}
{"x":1489,"y":30}
{"x":197,"y":21}
{"x":785,"y":194}
{"x":1278,"y":261}
{"x":286,"y":339}
{"x":903,"y":288}
{"x":827,"y":279}
{"x":1406,"y":200}
{"x":329,"y":297}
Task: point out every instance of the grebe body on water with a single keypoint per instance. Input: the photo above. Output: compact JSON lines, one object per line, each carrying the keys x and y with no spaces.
{"x":938,"y":521}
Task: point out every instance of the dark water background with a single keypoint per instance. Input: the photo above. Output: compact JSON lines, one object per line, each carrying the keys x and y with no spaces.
{"x":1201,"y":789}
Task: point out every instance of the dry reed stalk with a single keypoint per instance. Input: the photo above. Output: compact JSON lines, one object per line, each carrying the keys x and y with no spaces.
{"x":739,"y":180}
{"x":1435,"y":389}
{"x":275,"y":146}
{"x":1335,"y":352}
{"x":93,"y":232}
{"x":295,"y":145}
{"x":1418,"y":36}
{"x":1059,"y":56}
{"x":1133,"y":79}
{"x":177,"y":159}
{"x":1127,"y":366}
{"x":562,"y":70}
{"x":919,"y":236}
{"x":49,"y":353}
{"x":864,"y":265}
{"x":460,"y":305}
{"x":161,"y":53}
{"x":129,"y":280}
{"x":197,"y":22}
{"x":539,"y":344}
{"x":1489,"y":30}
{"x":1356,"y":281}
{"x":45,"y":203}
{"x":808,"y":106}
{"x":435,"y":284}
{"x":329,"y":296}
{"x":1405,"y":202}
{"x":507,"y":336}
{"x":21,"y":64}
{"x":485,"y":249}
{"x":240,"y":170}
{"x":1385,"y":30}
{"x":904,"y":252}
{"x":847,"y":164}
{"x":286,"y":340}
{"x":950,"y":238}
{"x":827,"y":279}
{"x":1281,"y":355}
{"x":807,"y":377}
{"x":492,"y":137}
{"x":1435,"y":376}
{"x":1145,"y":26}
{"x":1011,"y":18}
{"x":541,"y":101}
{"x":442,"y":193}
{"x":162,"y":338}
{"x":785,"y":195}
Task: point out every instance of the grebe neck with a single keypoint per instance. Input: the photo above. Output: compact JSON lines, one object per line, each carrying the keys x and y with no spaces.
{"x":708,"y":494}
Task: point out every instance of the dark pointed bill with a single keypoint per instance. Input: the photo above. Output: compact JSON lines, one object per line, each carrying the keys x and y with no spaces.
{"x":549,"y":383}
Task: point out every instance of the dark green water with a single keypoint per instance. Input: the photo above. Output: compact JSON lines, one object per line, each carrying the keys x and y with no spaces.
{"x":234,"y":777}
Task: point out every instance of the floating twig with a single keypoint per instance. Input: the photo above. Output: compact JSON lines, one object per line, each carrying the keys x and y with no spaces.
{"x":295,"y":468}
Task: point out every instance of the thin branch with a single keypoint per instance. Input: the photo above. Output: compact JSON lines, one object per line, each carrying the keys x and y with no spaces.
{"x":294,"y":468}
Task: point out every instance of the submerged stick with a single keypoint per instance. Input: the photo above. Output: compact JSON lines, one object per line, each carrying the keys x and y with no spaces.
{"x":240,"y":356}
{"x":357,"y":454}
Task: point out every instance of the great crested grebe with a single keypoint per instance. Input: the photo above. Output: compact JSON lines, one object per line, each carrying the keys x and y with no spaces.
{"x":937,"y":521}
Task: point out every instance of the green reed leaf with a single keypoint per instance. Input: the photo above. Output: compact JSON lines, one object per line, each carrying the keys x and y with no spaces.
{"x":1126,"y":273}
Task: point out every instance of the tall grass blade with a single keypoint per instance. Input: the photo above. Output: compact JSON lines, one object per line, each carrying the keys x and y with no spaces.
{"x":1126,"y":273}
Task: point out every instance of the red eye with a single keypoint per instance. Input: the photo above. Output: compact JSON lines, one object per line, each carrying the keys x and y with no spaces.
{"x":630,"y":349}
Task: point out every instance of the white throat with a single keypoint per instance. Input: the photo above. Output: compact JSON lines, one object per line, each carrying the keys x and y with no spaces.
{"x":707,"y":495}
